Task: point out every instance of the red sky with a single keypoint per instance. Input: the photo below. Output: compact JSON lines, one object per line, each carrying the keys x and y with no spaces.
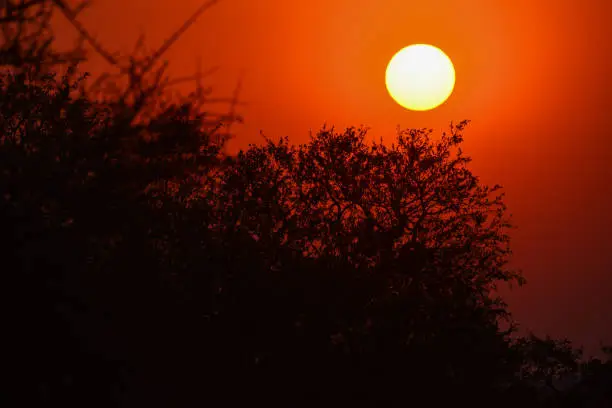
{"x":535,"y":78}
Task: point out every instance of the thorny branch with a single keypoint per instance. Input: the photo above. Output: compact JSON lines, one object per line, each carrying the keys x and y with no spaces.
{"x":144,"y":84}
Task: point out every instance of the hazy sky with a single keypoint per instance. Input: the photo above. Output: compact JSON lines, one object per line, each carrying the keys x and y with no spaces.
{"x":535,"y":78}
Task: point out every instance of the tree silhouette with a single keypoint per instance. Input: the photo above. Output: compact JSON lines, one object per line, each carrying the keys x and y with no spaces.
{"x":344,"y":259}
{"x":80,"y":170}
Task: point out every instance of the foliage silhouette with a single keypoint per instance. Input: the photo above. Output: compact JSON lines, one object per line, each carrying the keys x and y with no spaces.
{"x":78,"y":175}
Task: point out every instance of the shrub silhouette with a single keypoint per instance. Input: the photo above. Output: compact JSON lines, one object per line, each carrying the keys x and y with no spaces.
{"x":79,"y":173}
{"x":359,"y":253}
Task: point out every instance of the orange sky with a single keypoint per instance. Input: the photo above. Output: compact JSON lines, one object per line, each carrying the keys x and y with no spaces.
{"x":535,"y":78}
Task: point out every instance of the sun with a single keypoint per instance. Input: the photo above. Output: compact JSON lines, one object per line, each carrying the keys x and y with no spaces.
{"x":420,"y":77}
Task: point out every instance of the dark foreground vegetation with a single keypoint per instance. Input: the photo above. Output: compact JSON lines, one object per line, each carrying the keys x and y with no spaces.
{"x":143,"y":267}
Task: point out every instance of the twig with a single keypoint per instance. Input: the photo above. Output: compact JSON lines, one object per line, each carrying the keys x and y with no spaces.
{"x":177,"y":34}
{"x":233,"y":104}
{"x":71,"y":16}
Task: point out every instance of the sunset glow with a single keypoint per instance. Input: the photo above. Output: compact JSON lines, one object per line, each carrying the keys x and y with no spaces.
{"x":532,"y":77}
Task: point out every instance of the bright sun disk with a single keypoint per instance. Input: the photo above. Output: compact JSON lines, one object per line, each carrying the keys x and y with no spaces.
{"x":420,"y":77}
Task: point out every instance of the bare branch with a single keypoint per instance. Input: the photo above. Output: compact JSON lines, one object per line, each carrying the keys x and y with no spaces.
{"x":71,"y":16}
{"x":231,"y":116}
{"x":178,"y":33}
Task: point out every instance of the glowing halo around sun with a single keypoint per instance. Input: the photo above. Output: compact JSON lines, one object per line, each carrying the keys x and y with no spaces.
{"x":420,"y":77}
